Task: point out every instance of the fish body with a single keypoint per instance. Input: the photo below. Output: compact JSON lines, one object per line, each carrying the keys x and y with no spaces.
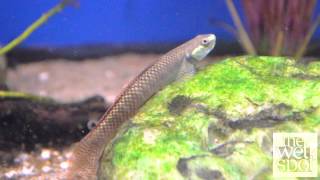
{"x":85,"y":159}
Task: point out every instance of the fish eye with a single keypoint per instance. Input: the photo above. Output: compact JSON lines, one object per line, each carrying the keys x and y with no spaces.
{"x":205,"y":42}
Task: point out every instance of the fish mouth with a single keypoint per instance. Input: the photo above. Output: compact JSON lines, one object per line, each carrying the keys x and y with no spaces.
{"x":212,"y":39}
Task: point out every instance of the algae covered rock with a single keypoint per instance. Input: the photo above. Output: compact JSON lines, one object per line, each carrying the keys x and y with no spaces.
{"x":219,"y":123}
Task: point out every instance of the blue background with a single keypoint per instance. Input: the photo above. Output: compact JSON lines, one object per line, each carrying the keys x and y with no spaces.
{"x":115,"y":21}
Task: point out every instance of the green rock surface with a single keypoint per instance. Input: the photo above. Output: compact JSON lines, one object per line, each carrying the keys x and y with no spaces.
{"x":219,"y":123}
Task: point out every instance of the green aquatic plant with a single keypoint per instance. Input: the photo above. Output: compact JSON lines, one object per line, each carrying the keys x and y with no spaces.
{"x":26,"y":33}
{"x":35,"y":25}
{"x":16,"y":94}
{"x":241,"y":33}
{"x":275,"y":27}
{"x":3,"y":72}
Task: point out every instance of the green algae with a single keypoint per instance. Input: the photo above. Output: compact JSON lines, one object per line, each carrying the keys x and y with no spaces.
{"x":238,"y":88}
{"x":13,"y":94}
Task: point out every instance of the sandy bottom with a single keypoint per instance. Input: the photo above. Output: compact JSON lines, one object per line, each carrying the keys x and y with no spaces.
{"x":68,"y":81}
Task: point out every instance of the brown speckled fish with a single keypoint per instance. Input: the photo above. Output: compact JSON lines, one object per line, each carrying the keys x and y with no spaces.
{"x":84,"y":162}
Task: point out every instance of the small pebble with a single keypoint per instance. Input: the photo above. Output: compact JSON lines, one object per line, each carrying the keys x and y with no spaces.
{"x":68,"y":154}
{"x":60,"y":158}
{"x":28,"y":170}
{"x":10,"y":174}
{"x":21,"y":158}
{"x":43,"y":76}
{"x":56,"y":153}
{"x":64,"y":165}
{"x":46,"y":169}
{"x":45,"y":154}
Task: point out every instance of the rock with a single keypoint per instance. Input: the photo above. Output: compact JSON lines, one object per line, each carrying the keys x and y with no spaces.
{"x":223,"y":127}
